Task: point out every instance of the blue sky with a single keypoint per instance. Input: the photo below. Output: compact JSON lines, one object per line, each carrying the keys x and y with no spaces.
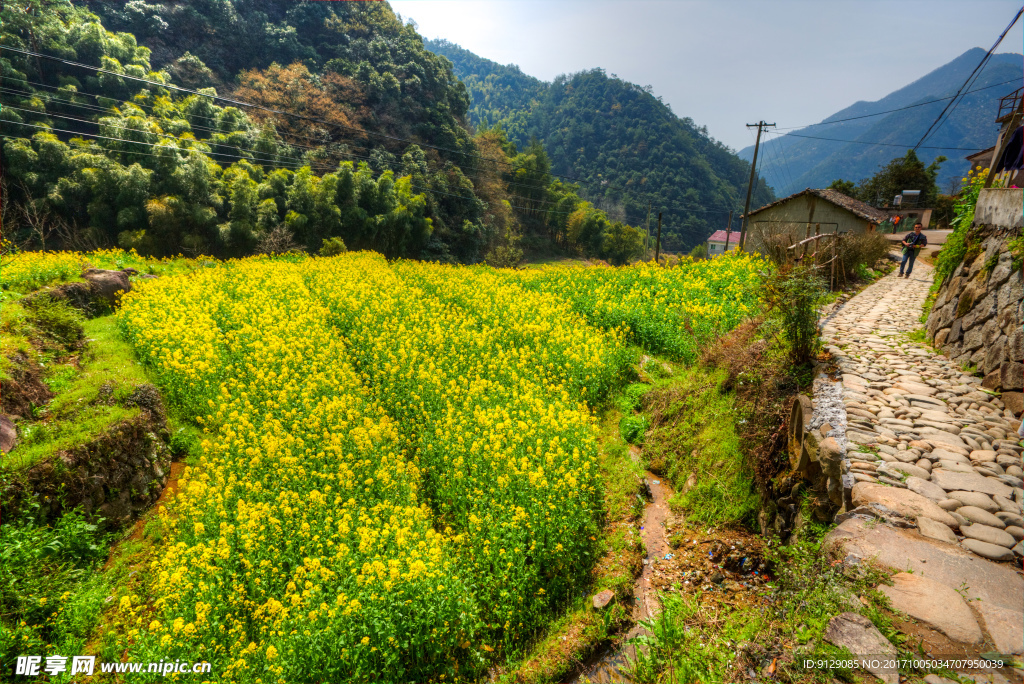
{"x":726,"y":63}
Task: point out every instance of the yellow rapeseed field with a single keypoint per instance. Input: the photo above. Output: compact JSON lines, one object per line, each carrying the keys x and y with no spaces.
{"x":671,"y":311}
{"x":398,"y":480}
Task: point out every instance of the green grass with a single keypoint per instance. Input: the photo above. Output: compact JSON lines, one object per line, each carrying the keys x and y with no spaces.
{"x":87,"y":399}
{"x":50,"y":596}
{"x":695,"y":432}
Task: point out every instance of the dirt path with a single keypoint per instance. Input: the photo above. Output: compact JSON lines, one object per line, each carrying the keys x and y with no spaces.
{"x":611,"y":667}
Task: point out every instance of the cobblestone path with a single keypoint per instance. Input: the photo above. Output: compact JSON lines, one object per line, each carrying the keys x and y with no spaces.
{"x":937,"y":460}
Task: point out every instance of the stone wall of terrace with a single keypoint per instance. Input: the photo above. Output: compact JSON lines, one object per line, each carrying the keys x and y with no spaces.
{"x":979,"y":310}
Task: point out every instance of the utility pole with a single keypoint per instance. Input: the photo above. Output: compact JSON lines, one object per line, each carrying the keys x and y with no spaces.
{"x":647,"y":240}
{"x":657,"y":250}
{"x":761,"y":125}
{"x":728,"y":232}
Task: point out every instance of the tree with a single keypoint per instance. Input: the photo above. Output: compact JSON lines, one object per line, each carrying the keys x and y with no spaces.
{"x":622,"y":243}
{"x":848,"y":188}
{"x":700,"y":251}
{"x":902,"y":173}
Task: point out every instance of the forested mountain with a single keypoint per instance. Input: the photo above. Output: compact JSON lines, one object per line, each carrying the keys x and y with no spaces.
{"x":812,"y":162}
{"x":341,"y":125}
{"x":624,"y":145}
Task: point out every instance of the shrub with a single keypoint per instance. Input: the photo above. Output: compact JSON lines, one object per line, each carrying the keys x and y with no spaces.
{"x":861,"y":251}
{"x":793,"y":296}
{"x":955,"y":249}
{"x":333,"y":247}
{"x":504,"y":256}
{"x":56,"y":319}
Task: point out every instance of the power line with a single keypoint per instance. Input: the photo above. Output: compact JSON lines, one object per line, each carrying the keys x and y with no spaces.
{"x":865,"y":142}
{"x":898,"y":109}
{"x":286,"y":113}
{"x":220,"y":154}
{"x":977,"y":70}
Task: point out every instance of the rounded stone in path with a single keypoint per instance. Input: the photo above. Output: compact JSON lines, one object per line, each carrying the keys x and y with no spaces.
{"x":1007,"y":505}
{"x":970,"y":482}
{"x":976,"y":499}
{"x":935,"y":530}
{"x":934,"y":604}
{"x":950,"y":504}
{"x":987,"y":550}
{"x":1015,"y":532}
{"x":926,"y":489}
{"x":1010,"y":518}
{"x":907,"y":469}
{"x":980,"y":516}
{"x":955,"y":466}
{"x":941,"y":440}
{"x":983,"y":456}
{"x":945,"y":455}
{"x":989,"y":534}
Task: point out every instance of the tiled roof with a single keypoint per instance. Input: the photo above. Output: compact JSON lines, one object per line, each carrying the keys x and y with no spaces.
{"x":719,"y":236}
{"x":856,"y":207}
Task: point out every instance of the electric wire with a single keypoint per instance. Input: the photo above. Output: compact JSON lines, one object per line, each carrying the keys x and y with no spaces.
{"x":977,"y":70}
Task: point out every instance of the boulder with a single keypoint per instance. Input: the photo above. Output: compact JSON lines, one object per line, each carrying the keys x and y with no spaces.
{"x":1011,"y":376}
{"x":107,"y":286}
{"x":902,"y":501}
{"x":934,"y":604}
{"x":860,"y":637}
{"x":8,"y":433}
{"x":935,"y":530}
{"x":969,"y":482}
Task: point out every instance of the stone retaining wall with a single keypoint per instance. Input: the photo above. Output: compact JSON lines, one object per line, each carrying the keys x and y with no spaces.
{"x":116,"y":476}
{"x":979,"y":310}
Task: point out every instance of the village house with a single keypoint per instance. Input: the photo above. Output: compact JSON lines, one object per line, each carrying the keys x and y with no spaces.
{"x":789,"y":219}
{"x":717,"y":242}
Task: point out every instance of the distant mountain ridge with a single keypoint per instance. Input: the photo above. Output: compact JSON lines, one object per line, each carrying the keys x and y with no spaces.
{"x":624,"y":144}
{"x":792,"y":163}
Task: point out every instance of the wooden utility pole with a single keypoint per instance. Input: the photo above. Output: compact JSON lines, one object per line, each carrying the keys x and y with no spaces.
{"x":728,"y":231}
{"x":657,"y":249}
{"x":761,"y":125}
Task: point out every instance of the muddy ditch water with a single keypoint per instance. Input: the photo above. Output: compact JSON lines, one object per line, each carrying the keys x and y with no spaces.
{"x":611,"y":665}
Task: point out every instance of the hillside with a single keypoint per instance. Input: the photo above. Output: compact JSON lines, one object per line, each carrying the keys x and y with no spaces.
{"x":626,"y":146}
{"x":816,"y":163}
{"x":234,"y":128}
